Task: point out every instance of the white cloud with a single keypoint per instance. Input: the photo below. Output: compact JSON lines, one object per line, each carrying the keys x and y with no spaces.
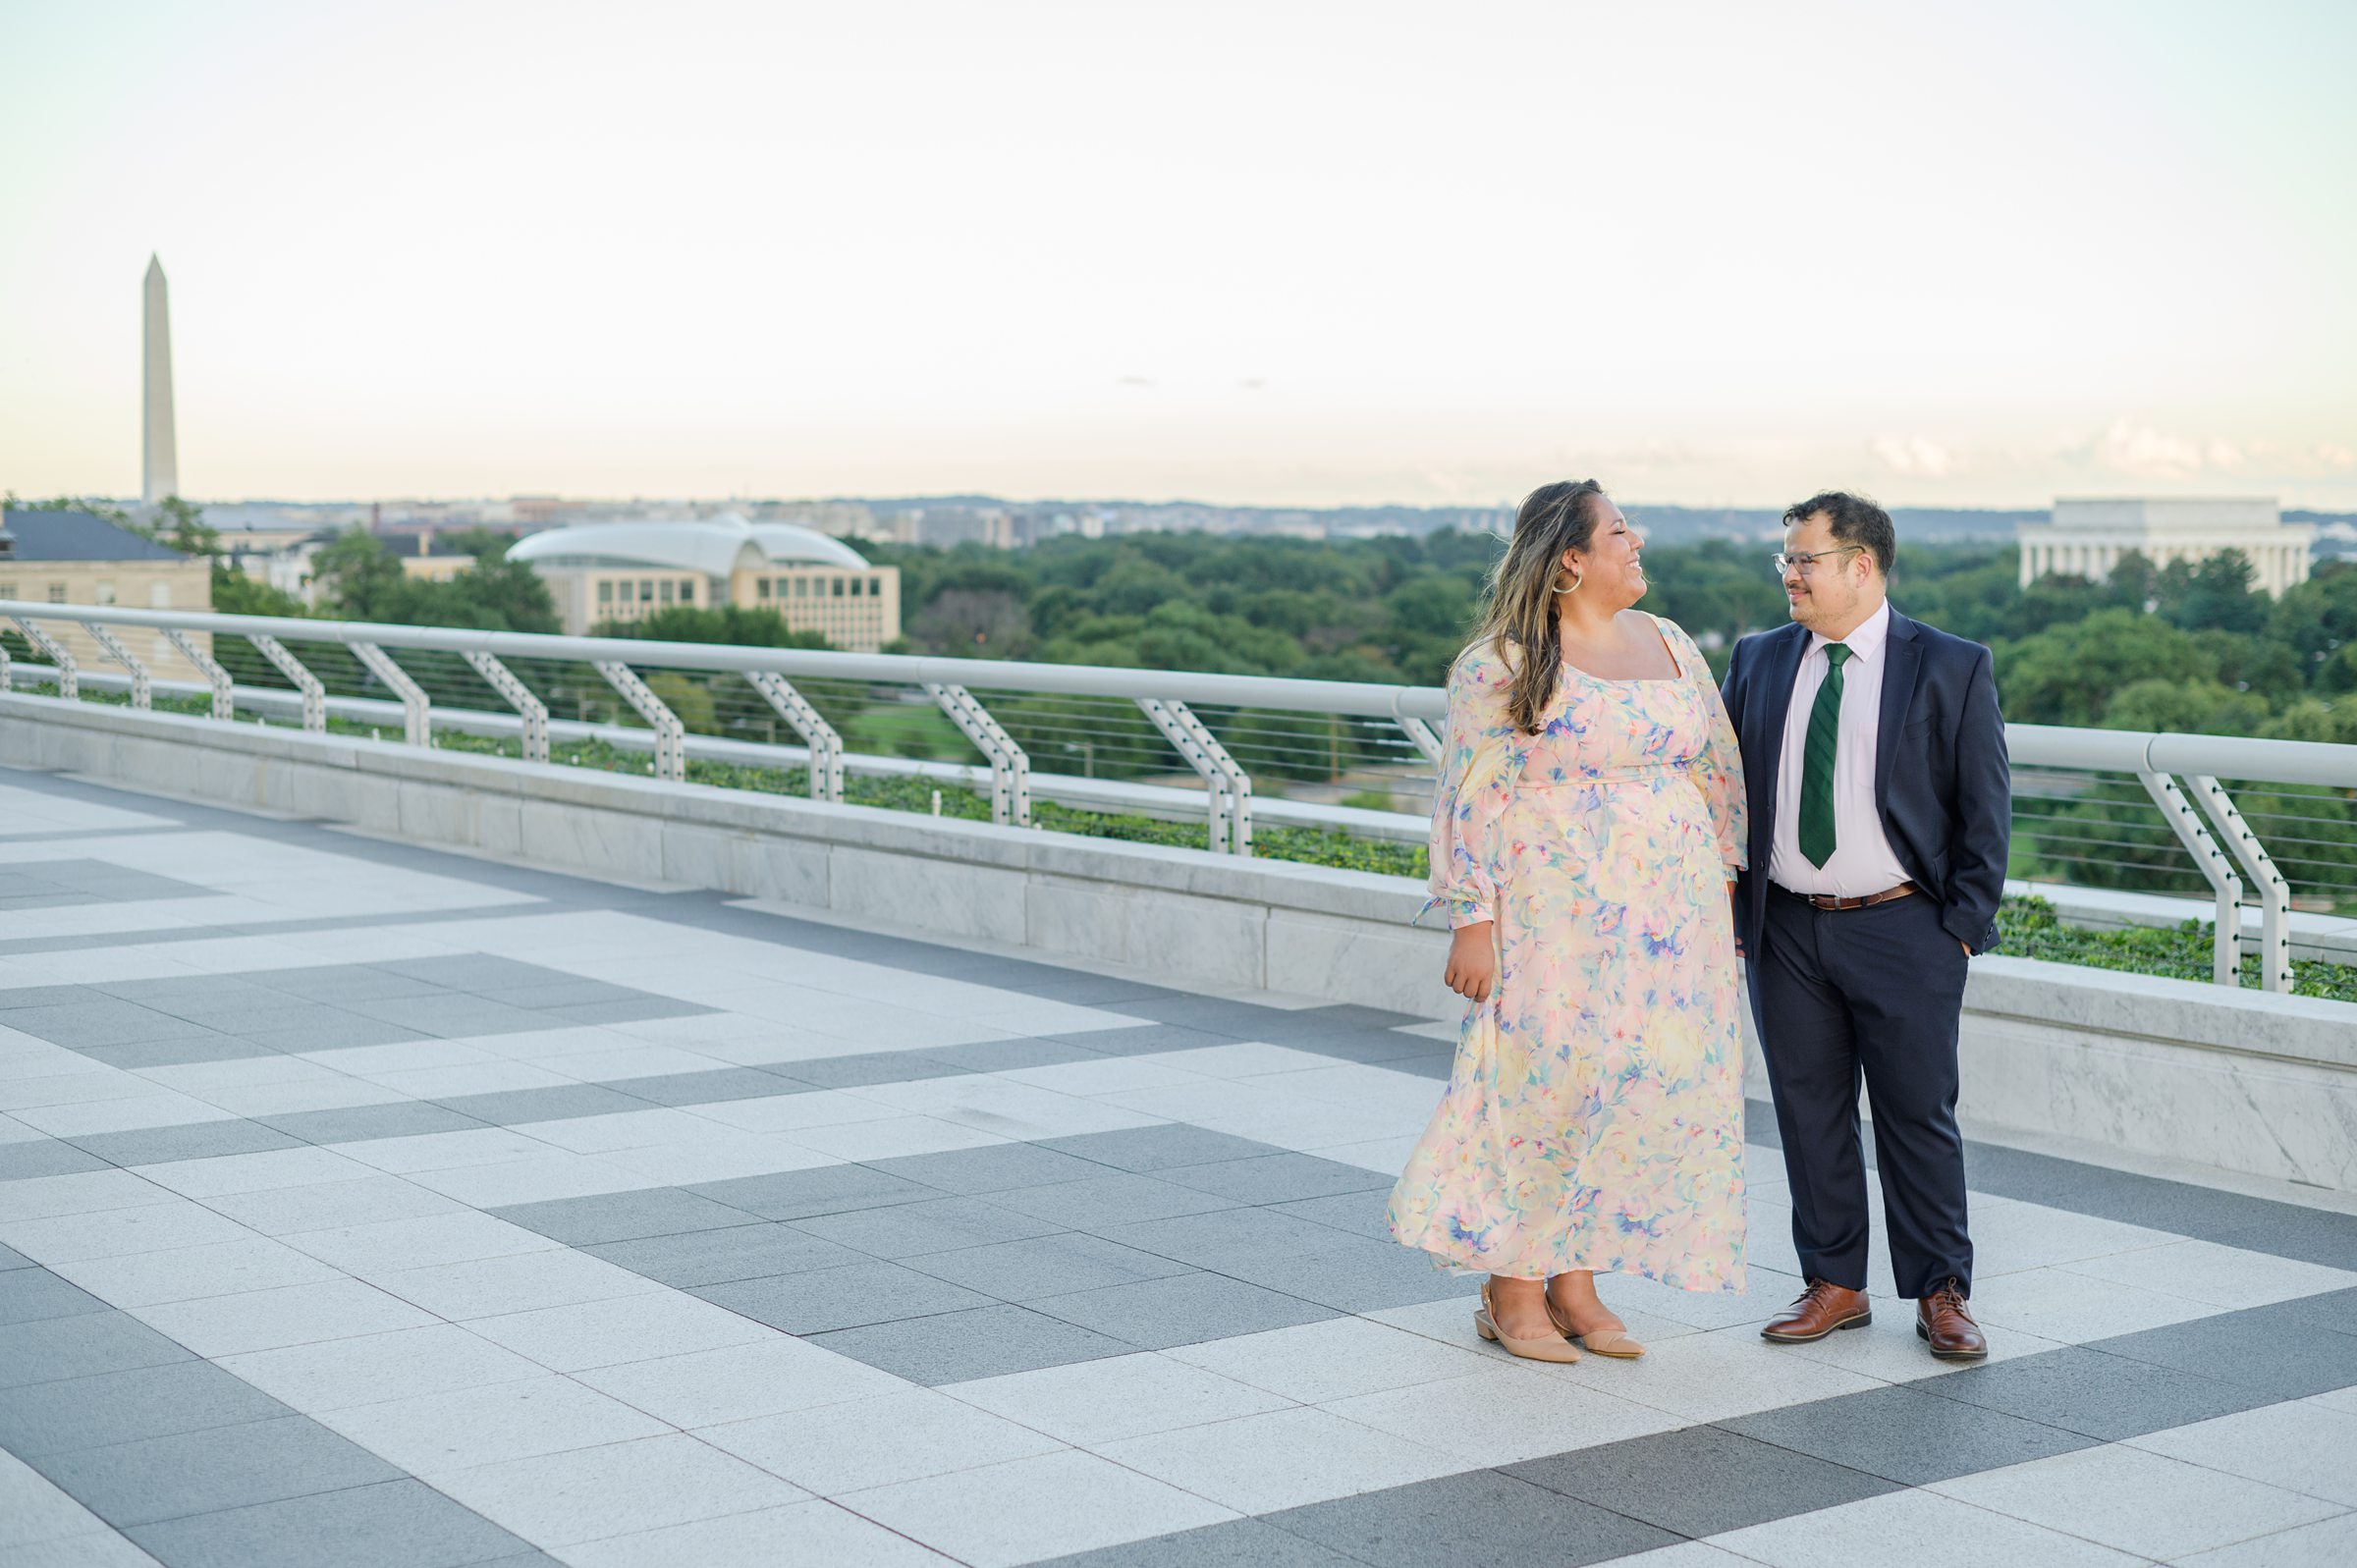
{"x":1914,"y":457}
{"x":2140,"y":452}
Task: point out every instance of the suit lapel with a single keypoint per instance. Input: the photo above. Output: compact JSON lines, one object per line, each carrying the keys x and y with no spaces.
{"x":1766,"y":740}
{"x":1903,"y":656}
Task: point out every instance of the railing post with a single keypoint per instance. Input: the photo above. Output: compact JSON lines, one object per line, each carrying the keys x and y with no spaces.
{"x":518,"y":696}
{"x":225,"y":701}
{"x":143,"y":695}
{"x":417,"y":711}
{"x":69,"y":675}
{"x":1010,"y":768}
{"x":1417,"y":730}
{"x":671,"y":736}
{"x":2275,"y":893}
{"x":2225,"y":962}
{"x":826,"y":745}
{"x":1225,"y":785}
{"x":314,"y":695}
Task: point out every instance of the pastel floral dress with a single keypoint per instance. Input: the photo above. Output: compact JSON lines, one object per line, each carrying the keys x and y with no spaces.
{"x":1594,"y":1116}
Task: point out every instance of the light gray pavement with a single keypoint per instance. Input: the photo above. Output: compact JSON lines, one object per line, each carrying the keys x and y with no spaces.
{"x":363,"y":1204}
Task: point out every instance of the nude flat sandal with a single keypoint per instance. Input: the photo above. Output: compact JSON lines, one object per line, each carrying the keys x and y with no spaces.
{"x":1550,"y":1348}
{"x":1612,"y":1342}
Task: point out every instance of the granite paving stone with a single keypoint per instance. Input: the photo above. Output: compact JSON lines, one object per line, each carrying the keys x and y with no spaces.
{"x":406,"y":1118}
{"x":861,"y":1071}
{"x":1046,"y":1265}
{"x":1184,"y":1310}
{"x":820,"y":1190}
{"x":1282,"y":1177}
{"x":1481,"y":1516}
{"x":154,"y":1478}
{"x":204,"y":1140}
{"x":2099,"y":1395}
{"x":2289,"y":1350}
{"x":30,"y":1295}
{"x":930,"y":1225}
{"x":83,"y":1345}
{"x":1238,"y":1543}
{"x":624,"y":1215}
{"x":997,"y":1169}
{"x":1700,"y":1481}
{"x":509,"y":1108}
{"x":116,"y":1407}
{"x":981,"y":1342}
{"x":391,"y":1524}
{"x":1158,"y":1148}
{"x":44,"y":1157}
{"x":849,"y":1297}
{"x":1109,"y":1200}
{"x":706,"y":1088}
{"x":761,"y":1250}
{"x":1907,"y":1434}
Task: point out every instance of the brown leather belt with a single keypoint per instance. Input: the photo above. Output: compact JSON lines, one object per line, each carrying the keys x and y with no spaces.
{"x":1827,"y":900}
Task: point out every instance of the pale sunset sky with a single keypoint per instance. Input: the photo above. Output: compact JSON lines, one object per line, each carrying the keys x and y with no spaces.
{"x":1281,"y":252}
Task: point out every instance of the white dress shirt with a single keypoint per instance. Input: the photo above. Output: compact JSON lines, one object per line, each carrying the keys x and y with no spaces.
{"x":1862,"y":861}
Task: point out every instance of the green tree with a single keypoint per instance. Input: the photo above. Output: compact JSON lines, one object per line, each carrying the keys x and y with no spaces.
{"x":2178,"y":707}
{"x":2066,"y":674}
{"x":734,"y":625}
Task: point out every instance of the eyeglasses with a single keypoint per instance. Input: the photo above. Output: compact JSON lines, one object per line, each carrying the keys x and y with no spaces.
{"x":1804,"y":564}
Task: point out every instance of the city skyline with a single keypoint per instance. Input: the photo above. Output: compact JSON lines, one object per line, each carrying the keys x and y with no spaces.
{"x":1303,"y":258}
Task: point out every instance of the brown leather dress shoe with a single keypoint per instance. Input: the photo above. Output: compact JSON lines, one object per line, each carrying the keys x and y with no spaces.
{"x":1942,"y":1320}
{"x":1822,"y":1307}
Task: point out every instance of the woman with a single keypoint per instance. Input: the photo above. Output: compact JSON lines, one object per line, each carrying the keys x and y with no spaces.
{"x":1589,"y":821}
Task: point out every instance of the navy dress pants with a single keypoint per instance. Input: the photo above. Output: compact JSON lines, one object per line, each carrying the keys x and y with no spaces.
{"x":1875,"y":992}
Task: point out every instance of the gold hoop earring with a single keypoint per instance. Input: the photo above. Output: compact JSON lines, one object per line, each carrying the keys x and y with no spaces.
{"x":1575,"y":582}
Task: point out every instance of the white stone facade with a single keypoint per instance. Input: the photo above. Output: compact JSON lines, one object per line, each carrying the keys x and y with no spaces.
{"x":2086,"y":538}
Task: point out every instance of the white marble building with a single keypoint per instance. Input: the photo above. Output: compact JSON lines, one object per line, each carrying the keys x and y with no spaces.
{"x":2085,"y":538}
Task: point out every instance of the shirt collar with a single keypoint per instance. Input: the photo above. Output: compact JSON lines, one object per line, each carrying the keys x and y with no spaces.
{"x":1866,"y":642}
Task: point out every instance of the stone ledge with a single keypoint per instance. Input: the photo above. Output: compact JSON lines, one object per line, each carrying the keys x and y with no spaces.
{"x":2178,"y":1013}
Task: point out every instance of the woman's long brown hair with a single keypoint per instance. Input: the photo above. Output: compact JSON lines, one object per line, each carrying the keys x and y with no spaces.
{"x":1520,"y":614}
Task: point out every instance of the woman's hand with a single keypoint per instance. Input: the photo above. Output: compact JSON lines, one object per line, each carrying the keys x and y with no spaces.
{"x":1472,"y":963}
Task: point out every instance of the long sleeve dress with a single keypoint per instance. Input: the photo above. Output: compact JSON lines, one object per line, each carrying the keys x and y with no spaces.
{"x":1594,"y":1116}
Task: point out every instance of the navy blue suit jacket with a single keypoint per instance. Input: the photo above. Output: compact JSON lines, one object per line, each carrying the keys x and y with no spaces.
{"x":1940,"y":778}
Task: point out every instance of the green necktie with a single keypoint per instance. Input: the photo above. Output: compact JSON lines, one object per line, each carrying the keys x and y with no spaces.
{"x":1817,"y":761}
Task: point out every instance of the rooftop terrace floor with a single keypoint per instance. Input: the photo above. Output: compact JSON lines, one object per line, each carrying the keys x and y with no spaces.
{"x":364,"y":1204}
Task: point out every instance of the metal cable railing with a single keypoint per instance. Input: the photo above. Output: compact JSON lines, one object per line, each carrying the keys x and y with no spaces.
{"x":2271,"y":824}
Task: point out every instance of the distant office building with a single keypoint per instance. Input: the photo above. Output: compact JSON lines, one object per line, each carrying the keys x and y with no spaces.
{"x":420,"y":560}
{"x":2086,"y":538}
{"x":64,"y":558}
{"x":600,"y":572}
{"x":160,"y":444}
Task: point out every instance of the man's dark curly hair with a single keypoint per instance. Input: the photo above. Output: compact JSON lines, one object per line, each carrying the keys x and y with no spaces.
{"x":1854,"y":520}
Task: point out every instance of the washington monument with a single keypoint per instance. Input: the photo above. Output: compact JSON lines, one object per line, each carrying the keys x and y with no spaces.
{"x":160,"y":472}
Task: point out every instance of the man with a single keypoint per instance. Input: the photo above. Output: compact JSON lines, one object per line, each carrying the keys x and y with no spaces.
{"x":1881,"y":806}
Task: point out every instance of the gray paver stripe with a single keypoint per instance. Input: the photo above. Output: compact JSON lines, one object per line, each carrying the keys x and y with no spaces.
{"x":156,"y":1448}
{"x":92,"y":835}
{"x":1638,"y":1455}
{"x":21,"y":945}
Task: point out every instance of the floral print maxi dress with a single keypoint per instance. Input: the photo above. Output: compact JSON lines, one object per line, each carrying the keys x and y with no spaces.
{"x":1594,"y":1116}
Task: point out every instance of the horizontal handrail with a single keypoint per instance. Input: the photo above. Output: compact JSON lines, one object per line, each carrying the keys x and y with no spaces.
{"x":2244,"y":757}
{"x":1353,"y":699}
{"x":2303,"y":762}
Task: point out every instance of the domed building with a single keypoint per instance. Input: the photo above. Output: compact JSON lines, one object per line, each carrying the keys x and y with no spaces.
{"x":602,"y":571}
